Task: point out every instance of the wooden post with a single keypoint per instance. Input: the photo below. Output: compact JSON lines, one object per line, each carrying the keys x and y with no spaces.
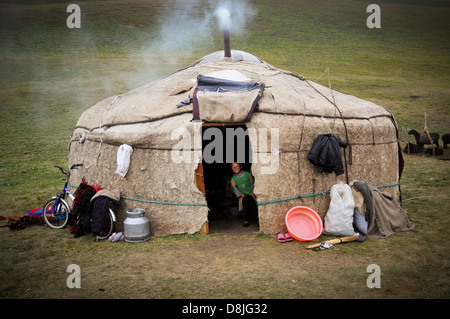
{"x":205,"y":228}
{"x":428,"y":134}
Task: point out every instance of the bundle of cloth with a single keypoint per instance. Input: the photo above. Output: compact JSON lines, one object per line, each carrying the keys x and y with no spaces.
{"x":90,"y":207}
{"x":378,"y":212}
{"x":362,"y":208}
{"x":98,"y":210}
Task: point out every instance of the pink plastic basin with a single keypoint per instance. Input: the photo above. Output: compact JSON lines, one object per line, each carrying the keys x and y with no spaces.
{"x":303,"y":223}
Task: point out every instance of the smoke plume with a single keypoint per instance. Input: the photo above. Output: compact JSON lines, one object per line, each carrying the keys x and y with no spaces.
{"x":189,"y":25}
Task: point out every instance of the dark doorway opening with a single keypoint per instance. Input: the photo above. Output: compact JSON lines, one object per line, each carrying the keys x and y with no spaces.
{"x":221,"y":146}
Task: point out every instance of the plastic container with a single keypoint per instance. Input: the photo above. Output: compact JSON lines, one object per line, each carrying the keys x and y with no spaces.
{"x":303,"y":223}
{"x":136,"y":227}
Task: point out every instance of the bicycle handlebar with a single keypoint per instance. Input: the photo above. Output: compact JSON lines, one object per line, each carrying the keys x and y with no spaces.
{"x":74,"y":166}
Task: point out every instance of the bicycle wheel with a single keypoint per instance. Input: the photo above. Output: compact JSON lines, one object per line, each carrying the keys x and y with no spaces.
{"x":108,"y":226}
{"x":56,"y":213}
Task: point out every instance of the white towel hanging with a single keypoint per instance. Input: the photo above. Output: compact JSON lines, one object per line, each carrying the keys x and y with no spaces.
{"x":123,"y":159}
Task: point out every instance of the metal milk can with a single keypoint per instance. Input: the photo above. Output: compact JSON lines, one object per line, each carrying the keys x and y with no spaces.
{"x":136,"y":226}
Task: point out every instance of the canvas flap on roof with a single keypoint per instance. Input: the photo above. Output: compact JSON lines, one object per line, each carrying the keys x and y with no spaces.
{"x":225,"y":101}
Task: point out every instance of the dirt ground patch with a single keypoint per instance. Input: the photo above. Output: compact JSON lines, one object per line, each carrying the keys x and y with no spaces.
{"x":35,"y":260}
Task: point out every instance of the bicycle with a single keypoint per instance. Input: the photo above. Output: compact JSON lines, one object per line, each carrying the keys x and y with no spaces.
{"x":57,"y":212}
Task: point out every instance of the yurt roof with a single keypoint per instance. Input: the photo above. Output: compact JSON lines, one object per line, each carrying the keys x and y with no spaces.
{"x":236,"y":55}
{"x":152,"y":106}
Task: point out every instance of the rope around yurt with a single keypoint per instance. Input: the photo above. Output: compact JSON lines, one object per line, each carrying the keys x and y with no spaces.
{"x":259,"y":204}
{"x":343,"y":120}
{"x":101,"y":125}
{"x":300,"y":144}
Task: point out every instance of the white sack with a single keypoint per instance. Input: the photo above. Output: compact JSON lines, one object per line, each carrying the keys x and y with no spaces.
{"x":339,"y":218}
{"x":123,"y":159}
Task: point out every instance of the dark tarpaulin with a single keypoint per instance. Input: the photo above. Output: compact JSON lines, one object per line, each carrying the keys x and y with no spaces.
{"x":213,"y":84}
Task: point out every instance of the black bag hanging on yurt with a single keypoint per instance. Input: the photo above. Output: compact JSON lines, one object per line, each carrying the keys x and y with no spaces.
{"x":325,"y":154}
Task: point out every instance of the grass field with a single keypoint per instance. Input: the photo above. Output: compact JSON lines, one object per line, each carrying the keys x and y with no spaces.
{"x":50,"y":74}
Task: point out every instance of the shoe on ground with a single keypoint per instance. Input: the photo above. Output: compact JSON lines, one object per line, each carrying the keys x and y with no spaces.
{"x":110,"y":238}
{"x":281,"y":238}
{"x":118,"y":236}
{"x":288,"y":237}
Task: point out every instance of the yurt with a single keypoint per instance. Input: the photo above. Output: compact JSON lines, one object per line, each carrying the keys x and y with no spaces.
{"x":167,"y":146}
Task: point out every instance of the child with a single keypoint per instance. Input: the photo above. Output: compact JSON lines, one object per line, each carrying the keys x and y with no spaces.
{"x":243,"y":184}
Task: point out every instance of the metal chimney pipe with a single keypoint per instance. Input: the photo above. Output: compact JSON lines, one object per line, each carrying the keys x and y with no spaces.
{"x":226,"y":42}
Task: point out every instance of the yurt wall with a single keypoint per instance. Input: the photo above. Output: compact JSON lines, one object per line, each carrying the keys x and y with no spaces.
{"x":372,"y":156}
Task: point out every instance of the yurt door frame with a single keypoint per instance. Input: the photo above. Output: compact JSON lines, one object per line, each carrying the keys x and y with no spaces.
{"x":213,"y":178}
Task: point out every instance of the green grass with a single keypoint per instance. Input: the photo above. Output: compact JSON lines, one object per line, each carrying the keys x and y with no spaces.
{"x":51,"y":74}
